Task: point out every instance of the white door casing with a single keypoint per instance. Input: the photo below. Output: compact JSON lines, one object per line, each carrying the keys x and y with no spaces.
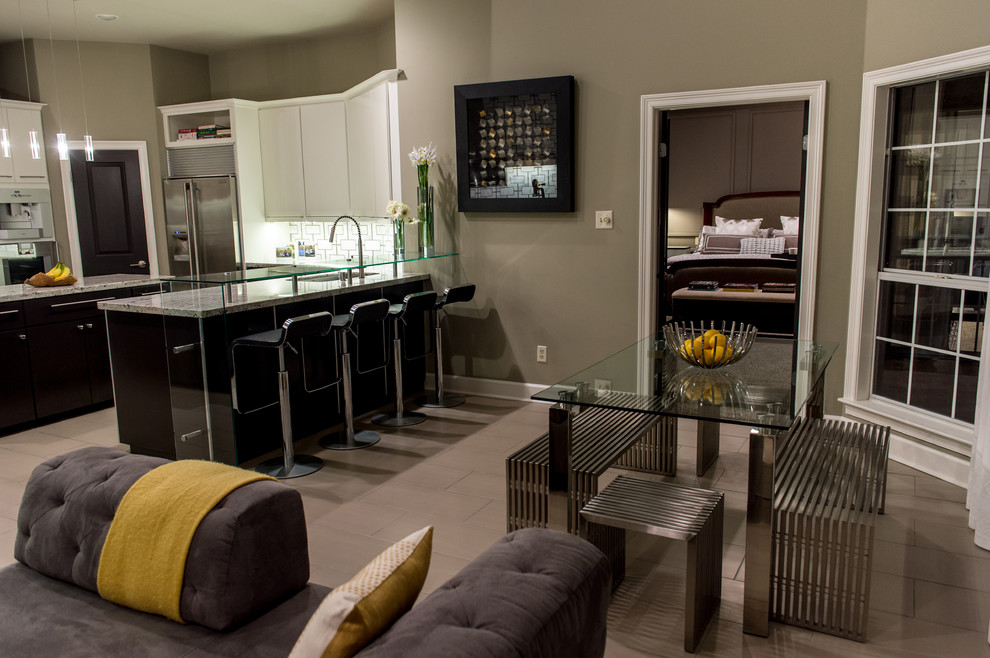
{"x":651,"y":106}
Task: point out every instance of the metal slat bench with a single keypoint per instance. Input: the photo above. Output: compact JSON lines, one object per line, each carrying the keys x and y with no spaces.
{"x":678,"y":512}
{"x":830,"y":484}
{"x":602,"y":438}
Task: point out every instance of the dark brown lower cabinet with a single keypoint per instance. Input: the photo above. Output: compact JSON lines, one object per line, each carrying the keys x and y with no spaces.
{"x":70,"y":365}
{"x":17,"y":401}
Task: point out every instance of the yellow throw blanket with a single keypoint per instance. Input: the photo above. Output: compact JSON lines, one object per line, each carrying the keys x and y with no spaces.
{"x":144,"y":557}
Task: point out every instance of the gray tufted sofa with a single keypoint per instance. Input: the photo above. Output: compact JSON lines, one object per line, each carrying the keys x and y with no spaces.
{"x":533,"y":593}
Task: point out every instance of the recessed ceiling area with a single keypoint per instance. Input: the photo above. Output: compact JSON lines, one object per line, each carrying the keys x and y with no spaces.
{"x":193,"y":25}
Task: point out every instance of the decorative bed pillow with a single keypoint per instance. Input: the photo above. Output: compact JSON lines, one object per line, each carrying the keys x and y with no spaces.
{"x":361,"y":609}
{"x":710,"y":230}
{"x":789,"y":225}
{"x":761,"y":246}
{"x":738,"y":226}
{"x":720,"y":244}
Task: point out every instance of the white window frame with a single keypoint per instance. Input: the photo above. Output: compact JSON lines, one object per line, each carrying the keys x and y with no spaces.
{"x":929,"y":442}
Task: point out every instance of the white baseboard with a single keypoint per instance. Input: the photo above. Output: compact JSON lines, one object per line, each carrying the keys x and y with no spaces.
{"x":489,"y":388}
{"x":921,"y":456}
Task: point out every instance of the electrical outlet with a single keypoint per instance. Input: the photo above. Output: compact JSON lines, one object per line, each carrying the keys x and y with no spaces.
{"x":603,"y":219}
{"x":541,"y":353}
{"x":603,"y":385}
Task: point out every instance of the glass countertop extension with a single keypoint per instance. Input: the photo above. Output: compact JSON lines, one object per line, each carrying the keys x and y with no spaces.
{"x":308,"y":267}
{"x":766,"y":388}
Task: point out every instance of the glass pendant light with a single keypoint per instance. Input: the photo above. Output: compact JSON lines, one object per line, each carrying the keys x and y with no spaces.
{"x":82,"y":85}
{"x":35,"y":147}
{"x":60,"y":140}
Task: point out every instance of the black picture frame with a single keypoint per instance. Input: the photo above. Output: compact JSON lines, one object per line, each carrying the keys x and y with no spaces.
{"x":484,"y":176}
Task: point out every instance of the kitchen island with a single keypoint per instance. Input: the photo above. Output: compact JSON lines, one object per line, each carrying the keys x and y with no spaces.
{"x":180,"y":394}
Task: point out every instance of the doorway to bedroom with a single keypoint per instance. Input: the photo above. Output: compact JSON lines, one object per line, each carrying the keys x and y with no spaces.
{"x":654,"y":109}
{"x":745,"y":164}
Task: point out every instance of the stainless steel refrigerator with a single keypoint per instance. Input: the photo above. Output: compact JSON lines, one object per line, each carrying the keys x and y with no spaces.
{"x":201,"y":221}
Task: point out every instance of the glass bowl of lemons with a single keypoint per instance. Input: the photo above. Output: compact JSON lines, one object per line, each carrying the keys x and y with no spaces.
{"x":709,"y":345}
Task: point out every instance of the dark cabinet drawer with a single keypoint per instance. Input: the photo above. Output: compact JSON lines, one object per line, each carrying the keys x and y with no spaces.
{"x":11,"y":315}
{"x":17,"y":401}
{"x":65,"y":307}
{"x":139,"y":291}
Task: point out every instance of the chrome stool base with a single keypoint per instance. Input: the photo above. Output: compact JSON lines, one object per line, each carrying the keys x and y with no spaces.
{"x":340,"y":440}
{"x":446,"y":402}
{"x":392,"y":419}
{"x":275,"y":467}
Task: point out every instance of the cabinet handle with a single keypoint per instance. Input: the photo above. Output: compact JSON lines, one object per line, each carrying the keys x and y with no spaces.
{"x":153,"y":292}
{"x":80,"y":327}
{"x":89,"y":325}
{"x":190,"y":435}
{"x":179,"y":349}
{"x":9,"y":312}
{"x":22,"y":336}
{"x":85,"y":301}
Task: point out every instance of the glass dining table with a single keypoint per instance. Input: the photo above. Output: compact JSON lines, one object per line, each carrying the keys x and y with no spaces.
{"x":775,"y":383}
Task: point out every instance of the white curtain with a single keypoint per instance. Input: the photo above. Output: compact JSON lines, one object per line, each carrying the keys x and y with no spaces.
{"x":978,"y":495}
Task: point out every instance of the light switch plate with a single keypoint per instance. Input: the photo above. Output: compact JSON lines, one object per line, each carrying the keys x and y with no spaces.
{"x":603,"y":219}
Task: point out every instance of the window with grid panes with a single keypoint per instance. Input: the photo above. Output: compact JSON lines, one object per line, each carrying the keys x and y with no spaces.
{"x":935,"y":260}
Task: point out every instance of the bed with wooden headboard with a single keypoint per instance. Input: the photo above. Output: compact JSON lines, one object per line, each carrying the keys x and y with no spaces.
{"x":735,"y":267}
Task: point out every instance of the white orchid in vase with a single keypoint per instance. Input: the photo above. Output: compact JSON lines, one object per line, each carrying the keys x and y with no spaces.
{"x":422,"y":157}
{"x":398,"y":212}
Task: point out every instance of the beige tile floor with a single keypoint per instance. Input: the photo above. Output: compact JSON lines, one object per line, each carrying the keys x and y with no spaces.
{"x":930,"y":590}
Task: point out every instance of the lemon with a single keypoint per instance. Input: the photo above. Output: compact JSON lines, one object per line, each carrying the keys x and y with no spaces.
{"x":709,"y":356}
{"x":711,"y":332}
{"x":699,"y":347}
{"x":719,"y":354}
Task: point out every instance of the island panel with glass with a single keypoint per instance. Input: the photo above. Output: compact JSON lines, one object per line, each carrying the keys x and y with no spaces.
{"x":171,"y":359}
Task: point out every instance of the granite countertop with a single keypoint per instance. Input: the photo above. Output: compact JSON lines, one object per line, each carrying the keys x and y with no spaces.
{"x":20,"y":292}
{"x":209,"y":301}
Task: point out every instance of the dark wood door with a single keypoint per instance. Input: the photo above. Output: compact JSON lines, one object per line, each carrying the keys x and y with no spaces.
{"x":110,"y":212}
{"x":98,"y":360}
{"x":17,"y":401}
{"x":59,"y":371}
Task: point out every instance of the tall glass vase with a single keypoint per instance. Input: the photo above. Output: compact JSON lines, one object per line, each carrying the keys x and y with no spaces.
{"x":399,"y":238}
{"x":424,"y":207}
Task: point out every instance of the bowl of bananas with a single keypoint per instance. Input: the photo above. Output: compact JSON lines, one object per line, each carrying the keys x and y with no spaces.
{"x":706,"y":346}
{"x":60,"y":275}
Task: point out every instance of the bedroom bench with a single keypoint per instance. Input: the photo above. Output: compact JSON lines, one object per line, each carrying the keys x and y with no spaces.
{"x":601,"y":438}
{"x":830,"y":485}
{"x":771,"y":312}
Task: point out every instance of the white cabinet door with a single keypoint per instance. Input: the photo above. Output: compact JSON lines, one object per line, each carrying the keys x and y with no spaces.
{"x":281,"y":161}
{"x":324,"y":151}
{"x":21,"y":123}
{"x":6,"y":163}
{"x":368,"y":152}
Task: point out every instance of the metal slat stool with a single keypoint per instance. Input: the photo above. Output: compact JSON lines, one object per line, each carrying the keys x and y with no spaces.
{"x":293,"y":329}
{"x":439,"y":398}
{"x":344,"y":324}
{"x":412,"y":306}
{"x":677,"y":512}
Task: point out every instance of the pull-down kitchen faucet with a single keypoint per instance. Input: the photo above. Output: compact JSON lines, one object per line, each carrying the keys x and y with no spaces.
{"x":350,"y":274}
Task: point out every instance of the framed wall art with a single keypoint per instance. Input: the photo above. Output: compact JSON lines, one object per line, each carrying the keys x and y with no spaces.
{"x":515,"y":145}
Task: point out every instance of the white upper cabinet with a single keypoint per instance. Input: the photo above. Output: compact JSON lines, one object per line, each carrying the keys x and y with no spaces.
{"x":282,"y":162}
{"x":23,"y":124}
{"x":325,"y":159}
{"x":326,"y":156}
{"x":369,"y":151}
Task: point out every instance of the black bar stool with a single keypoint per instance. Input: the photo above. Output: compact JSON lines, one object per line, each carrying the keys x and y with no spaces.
{"x":438,"y":398}
{"x":294,"y":329}
{"x":412,"y":306}
{"x":343,"y":324}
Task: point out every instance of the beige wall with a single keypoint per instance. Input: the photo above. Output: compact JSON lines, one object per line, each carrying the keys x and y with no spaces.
{"x":902,"y":31}
{"x":119,"y":105}
{"x":306,"y":67}
{"x":553,"y":279}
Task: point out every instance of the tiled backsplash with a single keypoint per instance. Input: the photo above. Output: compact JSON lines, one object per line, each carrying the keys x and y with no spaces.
{"x":376,"y":235}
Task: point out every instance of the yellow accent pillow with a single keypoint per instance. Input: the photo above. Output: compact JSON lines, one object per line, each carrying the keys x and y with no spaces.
{"x":358,"y":611}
